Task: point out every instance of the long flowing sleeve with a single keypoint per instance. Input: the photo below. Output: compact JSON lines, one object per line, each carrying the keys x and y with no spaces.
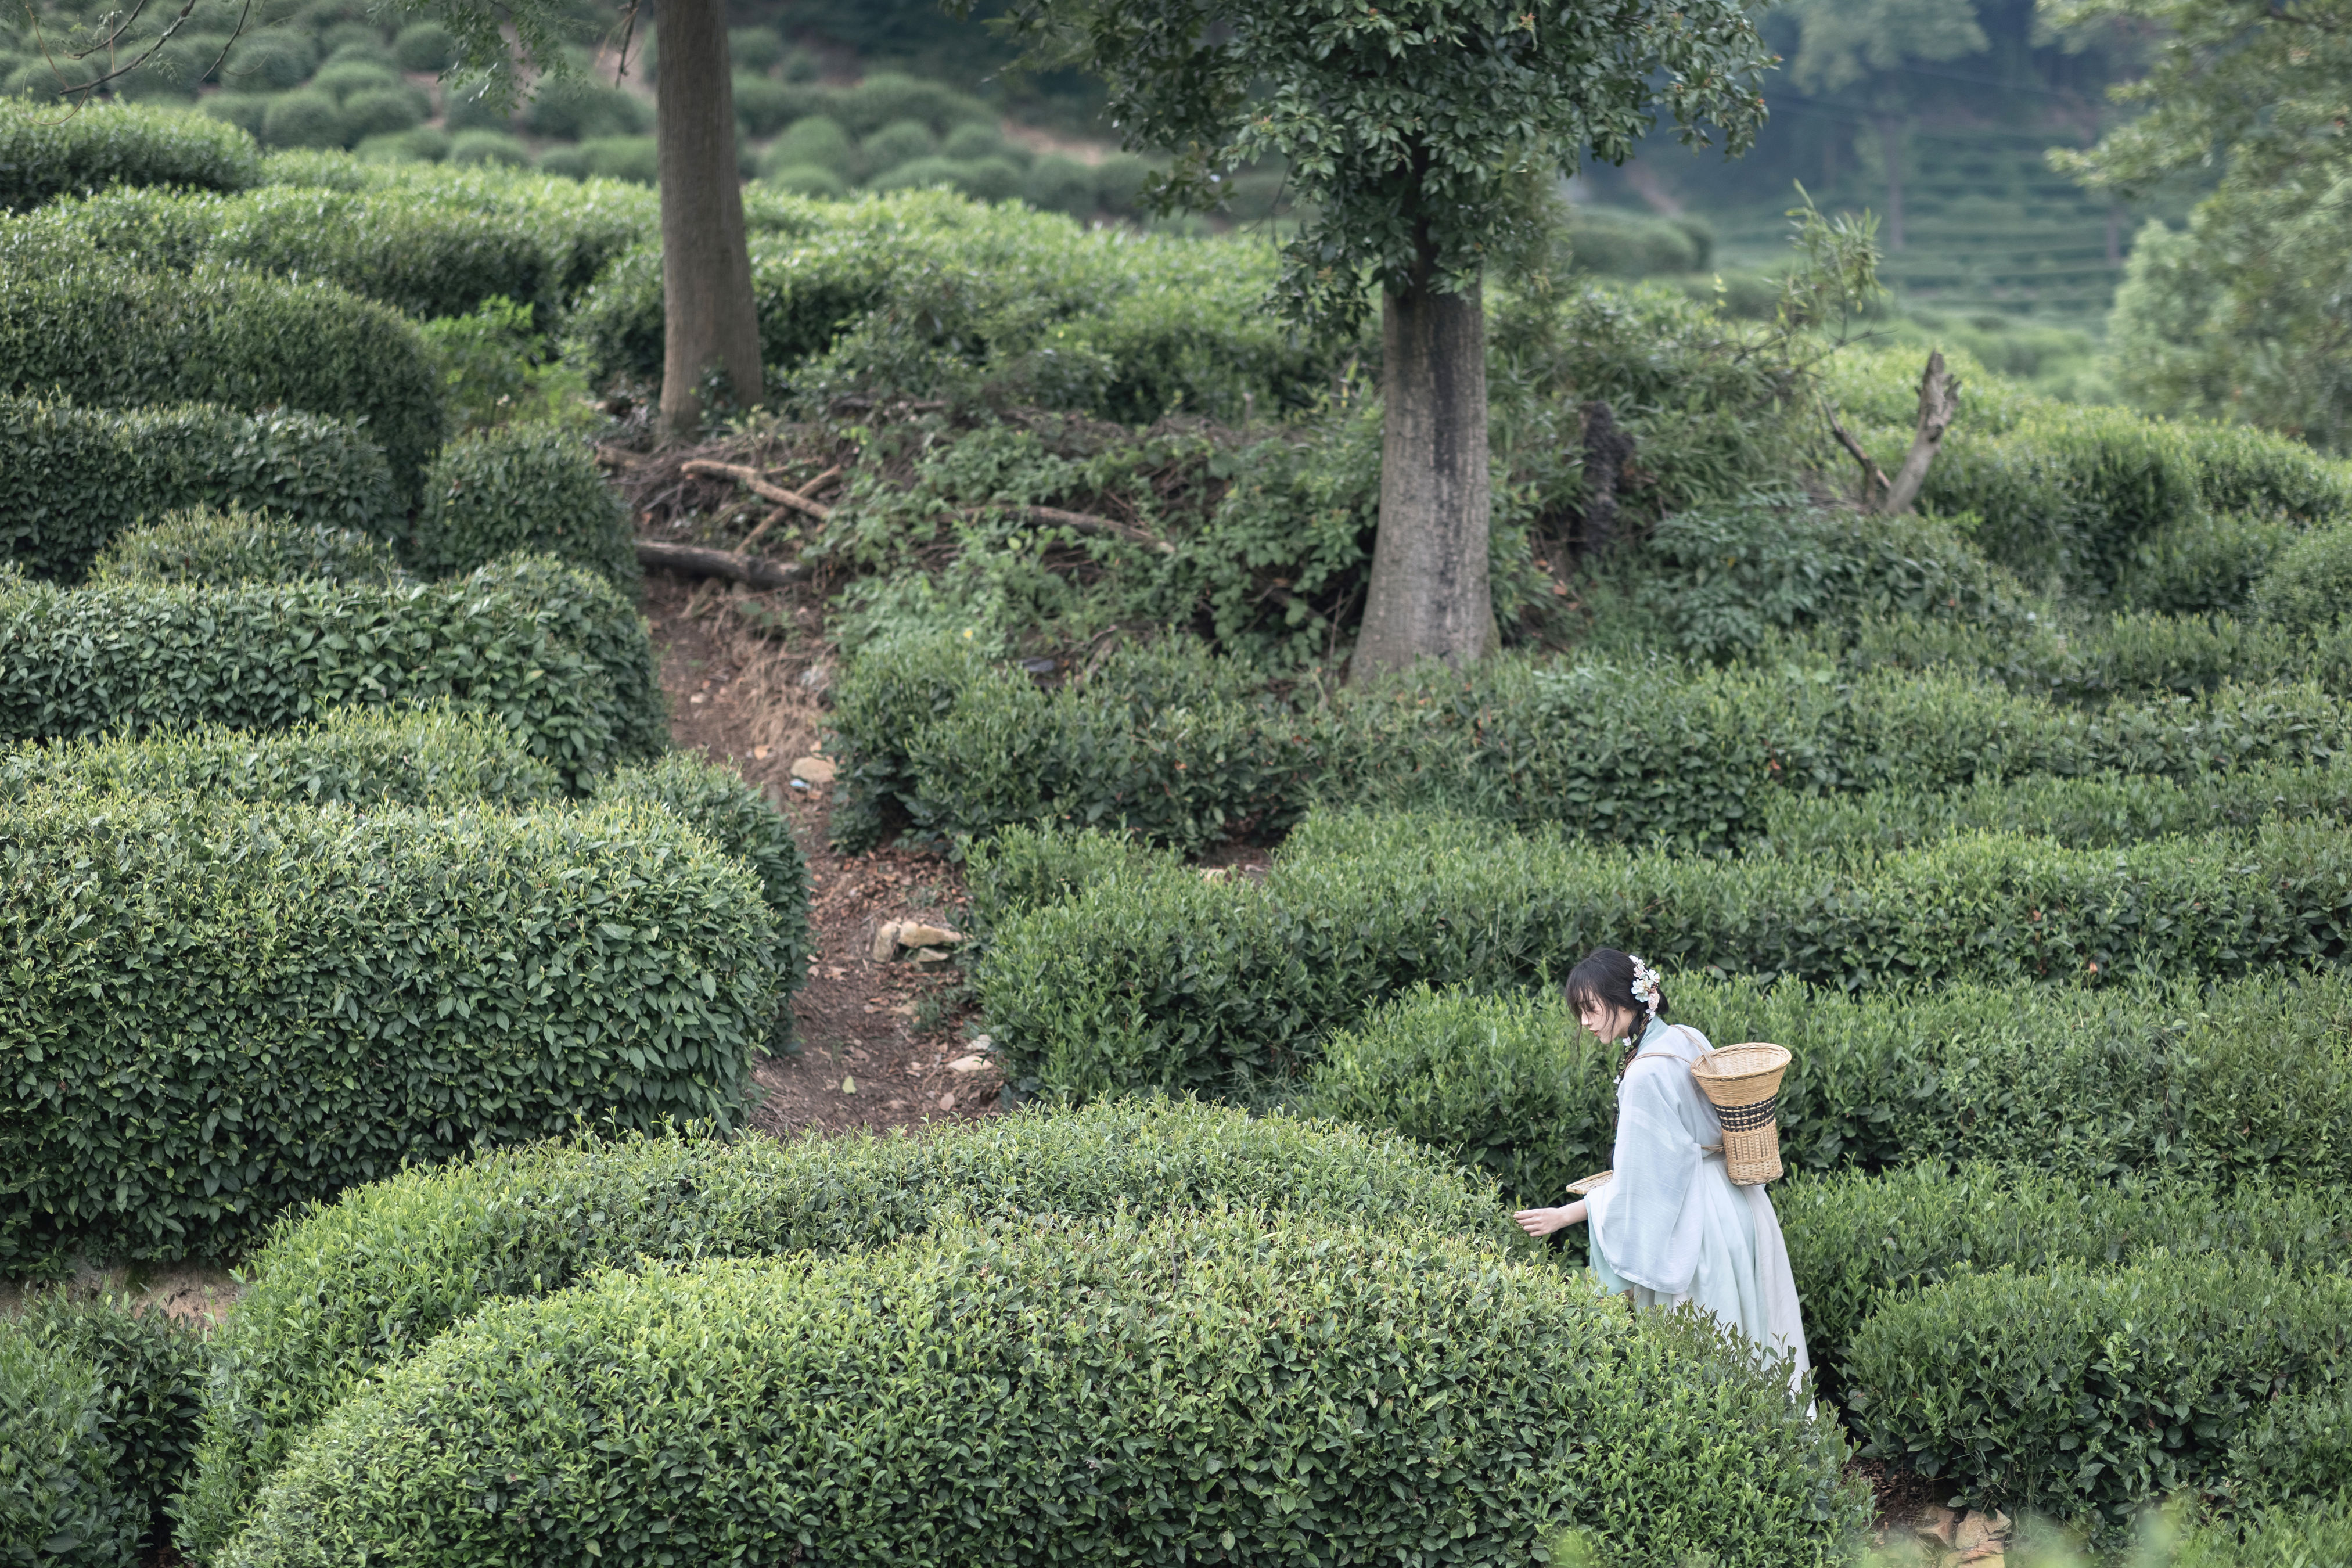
{"x":1642,"y":1220}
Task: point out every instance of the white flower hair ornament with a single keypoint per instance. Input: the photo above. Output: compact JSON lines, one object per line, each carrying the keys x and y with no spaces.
{"x":1645,"y":989}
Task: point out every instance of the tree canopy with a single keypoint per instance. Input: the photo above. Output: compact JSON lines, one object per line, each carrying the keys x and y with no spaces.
{"x":2249,"y":314}
{"x":1421,"y":132}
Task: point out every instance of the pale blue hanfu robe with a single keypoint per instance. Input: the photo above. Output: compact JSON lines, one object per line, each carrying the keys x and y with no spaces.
{"x":1671,"y":1226}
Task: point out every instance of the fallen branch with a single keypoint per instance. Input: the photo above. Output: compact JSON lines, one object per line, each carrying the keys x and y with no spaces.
{"x":613,"y":458}
{"x":749,"y":478}
{"x":1936,"y":407}
{"x":694,"y":561}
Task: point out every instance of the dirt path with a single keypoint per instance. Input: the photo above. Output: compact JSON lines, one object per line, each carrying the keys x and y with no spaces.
{"x":876,"y":1037}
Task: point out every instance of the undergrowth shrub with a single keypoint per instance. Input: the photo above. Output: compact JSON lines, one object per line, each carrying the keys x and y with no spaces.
{"x":2082,"y":1391}
{"x":990,"y":1389}
{"x":73,"y":477}
{"x":57,"y":1501}
{"x":556,"y":654}
{"x":1167,"y":982}
{"x":236,"y":546}
{"x":2205,"y":1087}
{"x":498,"y":491}
{"x":345,"y":1291}
{"x":45,"y":151}
{"x":222,"y":1010}
{"x":150,"y":1375}
{"x":113,"y":333}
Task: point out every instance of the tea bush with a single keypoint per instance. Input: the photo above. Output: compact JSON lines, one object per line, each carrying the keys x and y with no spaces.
{"x":149,"y":1372}
{"x":498,"y":491}
{"x":441,"y":758}
{"x":724,"y":807}
{"x":365,"y":1283}
{"x":71,"y":478}
{"x":2210,"y":1087}
{"x":2085,"y":1390}
{"x":110,"y":332}
{"x":2204,"y":564}
{"x":1161,"y":741}
{"x":430,"y":245}
{"x":57,"y":1501}
{"x":1168,"y":983}
{"x":2295,"y":1536}
{"x":925,"y":289}
{"x":223,"y":1010}
{"x":239,"y":546}
{"x":2305,"y":586}
{"x":1858,"y":1242}
{"x":557,"y":655}
{"x":45,"y":154}
{"x":2300,"y":1448}
{"x":871,"y":1406}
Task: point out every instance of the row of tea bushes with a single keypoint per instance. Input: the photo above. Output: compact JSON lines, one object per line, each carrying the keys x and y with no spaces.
{"x":45,"y":151}
{"x":559,"y":655}
{"x":105,"y":332}
{"x":72,"y":476}
{"x":340,"y":1295}
{"x":228,"y":549}
{"x":1217,"y":1384}
{"x":428,"y":248}
{"x":437,"y":759}
{"x":1168,"y":981}
{"x":1177,"y":747}
{"x":2248,"y":1080}
{"x":220,"y":1010}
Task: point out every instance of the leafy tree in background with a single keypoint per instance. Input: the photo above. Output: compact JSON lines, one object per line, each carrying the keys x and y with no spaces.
{"x":2248,"y":315}
{"x":1426,"y":134}
{"x":1843,"y":42}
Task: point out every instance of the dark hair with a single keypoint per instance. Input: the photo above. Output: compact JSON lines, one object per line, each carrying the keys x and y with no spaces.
{"x":1606,"y":979}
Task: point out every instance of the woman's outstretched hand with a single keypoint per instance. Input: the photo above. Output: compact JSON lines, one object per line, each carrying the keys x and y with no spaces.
{"x":1543,"y":1222}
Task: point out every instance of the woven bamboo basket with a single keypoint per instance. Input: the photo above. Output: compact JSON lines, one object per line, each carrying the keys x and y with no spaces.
{"x":1585,"y":1187}
{"x":1743,"y":1083}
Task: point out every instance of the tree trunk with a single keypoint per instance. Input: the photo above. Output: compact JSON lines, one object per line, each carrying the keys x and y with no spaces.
{"x":1890,"y":152}
{"x":709,"y":320}
{"x":1429,"y":598}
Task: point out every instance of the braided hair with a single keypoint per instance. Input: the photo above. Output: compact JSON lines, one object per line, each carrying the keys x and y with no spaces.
{"x":1610,"y":979}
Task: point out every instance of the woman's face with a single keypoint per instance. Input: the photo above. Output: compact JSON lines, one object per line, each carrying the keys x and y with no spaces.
{"x":1606,"y":1023}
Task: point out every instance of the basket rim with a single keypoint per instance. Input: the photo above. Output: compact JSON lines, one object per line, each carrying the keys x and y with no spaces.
{"x":1740,"y":1082}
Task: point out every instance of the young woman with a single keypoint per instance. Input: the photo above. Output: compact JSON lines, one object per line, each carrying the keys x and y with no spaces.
{"x":1670,"y":1226}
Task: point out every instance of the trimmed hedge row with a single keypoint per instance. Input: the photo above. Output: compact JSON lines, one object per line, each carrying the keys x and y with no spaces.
{"x":221,"y":1010}
{"x":1088,"y":1393}
{"x":45,"y":152}
{"x":345,"y":1291}
{"x":73,"y":477}
{"x":559,"y":656}
{"x":2244,"y":1081}
{"x":1174,"y":745}
{"x":2300,"y":1449}
{"x":1858,"y":1242}
{"x":1167,"y":982}
{"x":440,"y":758}
{"x":145,"y":1373}
{"x":517,"y":489}
{"x":108,"y":331}
{"x":2085,"y":1390}
{"x":228,"y":549}
{"x":427,"y":245}
{"x":1162,"y":741}
{"x":2094,"y":813}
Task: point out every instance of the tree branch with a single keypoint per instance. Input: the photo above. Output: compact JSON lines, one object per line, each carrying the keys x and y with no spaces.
{"x":1874,"y":478}
{"x":1083,"y":523}
{"x":693,"y":560}
{"x":1936,"y":407}
{"x":749,"y":478}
